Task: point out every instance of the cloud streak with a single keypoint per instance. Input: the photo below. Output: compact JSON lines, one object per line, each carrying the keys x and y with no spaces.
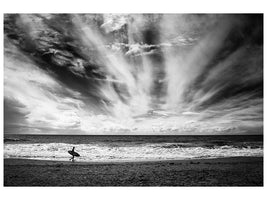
{"x":133,"y":74}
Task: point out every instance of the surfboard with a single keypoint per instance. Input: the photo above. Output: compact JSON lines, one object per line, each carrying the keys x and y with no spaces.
{"x":73,"y":153}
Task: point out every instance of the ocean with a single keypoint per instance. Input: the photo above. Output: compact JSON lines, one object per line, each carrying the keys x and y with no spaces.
{"x":106,"y":148}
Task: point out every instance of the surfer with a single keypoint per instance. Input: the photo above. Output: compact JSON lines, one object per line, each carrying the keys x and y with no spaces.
{"x":73,"y":153}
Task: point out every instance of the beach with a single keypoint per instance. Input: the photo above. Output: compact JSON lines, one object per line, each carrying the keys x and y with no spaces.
{"x":231,"y":171}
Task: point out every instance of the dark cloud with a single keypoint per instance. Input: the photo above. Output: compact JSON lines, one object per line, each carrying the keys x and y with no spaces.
{"x":14,"y":115}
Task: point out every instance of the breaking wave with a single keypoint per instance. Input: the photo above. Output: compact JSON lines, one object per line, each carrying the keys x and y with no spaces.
{"x":136,"y":152}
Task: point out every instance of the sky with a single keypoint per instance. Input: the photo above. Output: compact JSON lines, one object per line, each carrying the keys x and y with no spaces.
{"x":133,"y":73}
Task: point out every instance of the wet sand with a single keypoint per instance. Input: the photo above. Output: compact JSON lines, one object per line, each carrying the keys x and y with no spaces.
{"x":238,"y":171}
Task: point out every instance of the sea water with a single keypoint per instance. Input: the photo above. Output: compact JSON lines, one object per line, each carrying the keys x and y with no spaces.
{"x":105,"y":148}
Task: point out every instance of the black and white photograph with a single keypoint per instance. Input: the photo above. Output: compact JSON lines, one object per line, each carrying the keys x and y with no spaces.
{"x":133,"y":99}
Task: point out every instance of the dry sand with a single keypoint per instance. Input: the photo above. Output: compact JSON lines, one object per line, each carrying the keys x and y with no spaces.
{"x":238,"y":171}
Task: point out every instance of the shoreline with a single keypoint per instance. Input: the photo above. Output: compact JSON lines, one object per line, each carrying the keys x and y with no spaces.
{"x":231,"y":171}
{"x":14,"y":161}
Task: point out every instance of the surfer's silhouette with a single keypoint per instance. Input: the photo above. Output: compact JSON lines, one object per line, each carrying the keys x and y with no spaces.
{"x":73,"y":153}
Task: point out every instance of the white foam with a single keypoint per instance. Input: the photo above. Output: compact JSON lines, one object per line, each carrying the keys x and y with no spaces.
{"x":102,"y":153}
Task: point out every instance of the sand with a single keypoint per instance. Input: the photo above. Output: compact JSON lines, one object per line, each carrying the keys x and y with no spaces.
{"x":238,"y":171}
